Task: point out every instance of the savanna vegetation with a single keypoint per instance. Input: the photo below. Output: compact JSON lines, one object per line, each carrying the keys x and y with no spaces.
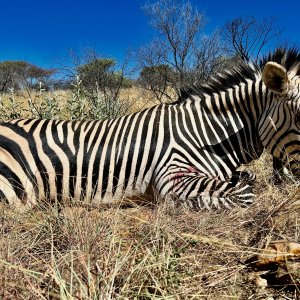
{"x":143,"y":252}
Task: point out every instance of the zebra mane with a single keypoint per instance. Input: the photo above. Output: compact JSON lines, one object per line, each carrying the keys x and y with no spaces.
{"x":288,"y":58}
{"x":241,"y":72}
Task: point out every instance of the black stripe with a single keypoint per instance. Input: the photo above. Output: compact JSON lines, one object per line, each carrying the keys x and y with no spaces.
{"x":14,"y":181}
{"x":86,"y":156}
{"x":3,"y":198}
{"x":55,"y":160}
{"x":142,"y":146}
{"x":132,"y":146}
{"x":108,"y":156}
{"x":96,"y":163}
{"x":16,"y":151}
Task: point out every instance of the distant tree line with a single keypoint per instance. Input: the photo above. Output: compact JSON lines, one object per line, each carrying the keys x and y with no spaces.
{"x":179,"y":55}
{"x":21,"y":74}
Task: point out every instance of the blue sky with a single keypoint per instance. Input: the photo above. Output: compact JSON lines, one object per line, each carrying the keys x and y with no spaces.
{"x":42,"y":32}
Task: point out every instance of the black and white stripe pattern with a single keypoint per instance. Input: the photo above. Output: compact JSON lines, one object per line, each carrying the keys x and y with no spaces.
{"x":188,"y":150}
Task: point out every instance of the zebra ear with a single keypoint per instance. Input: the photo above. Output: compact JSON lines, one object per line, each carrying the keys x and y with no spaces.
{"x":274,"y":76}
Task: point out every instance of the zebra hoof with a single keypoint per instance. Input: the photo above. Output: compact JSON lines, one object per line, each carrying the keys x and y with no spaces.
{"x":276,"y":179}
{"x":244,"y":196}
{"x":247,"y":177}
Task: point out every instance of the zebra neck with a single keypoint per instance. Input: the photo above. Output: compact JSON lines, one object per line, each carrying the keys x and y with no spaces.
{"x":228,"y":122}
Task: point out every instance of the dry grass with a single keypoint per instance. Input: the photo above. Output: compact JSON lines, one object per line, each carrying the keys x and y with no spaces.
{"x":25,"y":103}
{"x":145,"y":253}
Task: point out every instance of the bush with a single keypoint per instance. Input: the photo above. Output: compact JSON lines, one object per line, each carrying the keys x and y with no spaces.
{"x":75,"y":104}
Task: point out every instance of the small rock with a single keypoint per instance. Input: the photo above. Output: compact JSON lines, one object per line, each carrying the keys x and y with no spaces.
{"x":260,"y":282}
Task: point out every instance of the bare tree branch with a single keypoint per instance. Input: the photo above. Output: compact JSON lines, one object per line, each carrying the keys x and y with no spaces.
{"x":246,"y":37}
{"x":177,"y":47}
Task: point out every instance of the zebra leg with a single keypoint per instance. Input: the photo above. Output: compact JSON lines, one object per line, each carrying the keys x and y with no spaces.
{"x":245,"y":176}
{"x":280,"y":172}
{"x":199,"y":192}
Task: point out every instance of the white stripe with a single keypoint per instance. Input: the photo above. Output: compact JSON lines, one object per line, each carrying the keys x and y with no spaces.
{"x":60,"y":131}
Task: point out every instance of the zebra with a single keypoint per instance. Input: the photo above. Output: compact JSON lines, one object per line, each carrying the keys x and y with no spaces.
{"x":188,"y":150}
{"x":284,"y":172}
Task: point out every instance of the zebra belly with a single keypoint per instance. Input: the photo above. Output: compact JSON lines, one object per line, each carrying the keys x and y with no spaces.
{"x":19,"y":188}
{"x":25,"y":185}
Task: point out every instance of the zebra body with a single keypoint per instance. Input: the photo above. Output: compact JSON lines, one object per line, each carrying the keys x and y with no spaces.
{"x":188,"y":150}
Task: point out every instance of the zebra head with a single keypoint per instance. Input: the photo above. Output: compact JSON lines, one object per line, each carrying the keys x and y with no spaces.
{"x":279,"y":126}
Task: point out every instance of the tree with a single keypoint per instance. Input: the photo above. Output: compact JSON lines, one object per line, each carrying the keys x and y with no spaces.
{"x":97,"y":85}
{"x":246,"y":37}
{"x":209,"y":59}
{"x":101,"y":74}
{"x":21,"y":74}
{"x":33,"y":75}
{"x":6,"y":76}
{"x":179,"y":45}
{"x":158,"y":79}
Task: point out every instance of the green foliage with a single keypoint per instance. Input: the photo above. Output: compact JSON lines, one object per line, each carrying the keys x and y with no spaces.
{"x":12,"y":108}
{"x":47,"y":108}
{"x":159,"y":80}
{"x":157,"y":74}
{"x":157,"y":77}
{"x":95,"y":93}
{"x":77,"y":104}
{"x":96,"y":90}
{"x":101,"y":74}
{"x":82,"y":105}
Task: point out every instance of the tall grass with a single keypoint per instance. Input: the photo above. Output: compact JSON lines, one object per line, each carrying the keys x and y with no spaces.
{"x":160,"y":252}
{"x":73,"y":104}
